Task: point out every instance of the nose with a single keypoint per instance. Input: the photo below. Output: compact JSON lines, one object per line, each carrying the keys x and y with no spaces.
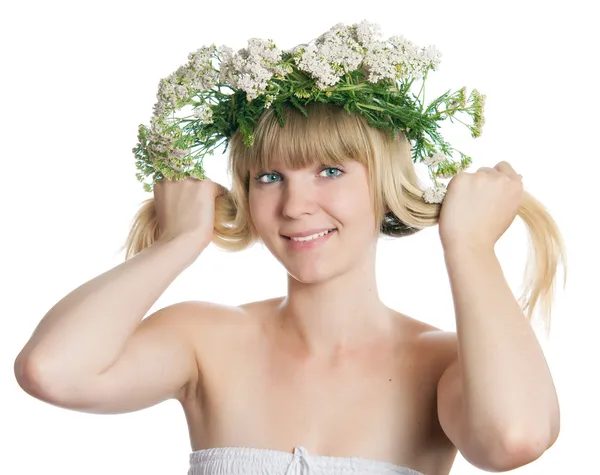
{"x":298,"y":198}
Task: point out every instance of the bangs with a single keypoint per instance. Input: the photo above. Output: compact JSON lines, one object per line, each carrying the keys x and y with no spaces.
{"x":328,"y":136}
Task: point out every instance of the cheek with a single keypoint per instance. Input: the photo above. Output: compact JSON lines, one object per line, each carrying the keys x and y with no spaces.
{"x":253,"y":209}
{"x":352,"y":202}
{"x":260,"y":209}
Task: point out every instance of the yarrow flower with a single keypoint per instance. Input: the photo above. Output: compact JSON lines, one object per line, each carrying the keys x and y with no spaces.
{"x":434,"y":160}
{"x":251,"y":68}
{"x":218,"y":92}
{"x":399,"y":58}
{"x":199,"y":73}
{"x":333,"y":54}
{"x":435,"y":194}
{"x":365,"y":32}
{"x":204,"y":113}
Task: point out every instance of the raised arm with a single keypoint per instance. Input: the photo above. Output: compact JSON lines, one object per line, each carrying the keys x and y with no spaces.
{"x":92,"y":352}
{"x":496,"y":401}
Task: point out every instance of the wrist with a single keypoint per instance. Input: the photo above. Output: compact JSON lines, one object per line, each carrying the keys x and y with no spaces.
{"x":465,"y":250}
{"x":189,"y":243}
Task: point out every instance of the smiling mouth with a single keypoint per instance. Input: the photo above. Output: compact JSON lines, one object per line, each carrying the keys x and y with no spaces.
{"x":311,"y":237}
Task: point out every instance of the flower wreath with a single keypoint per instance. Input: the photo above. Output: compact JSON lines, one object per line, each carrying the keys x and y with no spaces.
{"x":203,"y":103}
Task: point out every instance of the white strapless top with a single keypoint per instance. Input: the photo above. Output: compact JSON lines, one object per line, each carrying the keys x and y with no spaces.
{"x":251,"y":461}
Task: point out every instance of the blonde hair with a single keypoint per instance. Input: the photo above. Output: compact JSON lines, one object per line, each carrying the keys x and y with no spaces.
{"x":330,"y":135}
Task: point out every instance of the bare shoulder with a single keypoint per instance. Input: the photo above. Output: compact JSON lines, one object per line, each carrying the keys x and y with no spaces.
{"x":223,"y":337}
{"x":443,"y":340}
{"x":208,"y":324}
{"x":432,"y":341}
{"x":211,"y":326}
{"x":196,"y":314}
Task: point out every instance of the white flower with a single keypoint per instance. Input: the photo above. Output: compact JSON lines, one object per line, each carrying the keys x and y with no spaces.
{"x":200,"y":71}
{"x":342,"y":49}
{"x":226,"y":71}
{"x":366,"y":32}
{"x":178,"y":153}
{"x":311,"y":61}
{"x":270,"y":98}
{"x":448,"y":174}
{"x":166,"y":95}
{"x":332,"y":55}
{"x":435,"y":194}
{"x":251,"y":68}
{"x":204,"y":113}
{"x":415,"y":61}
{"x":381,"y":60}
{"x":397,"y":58}
{"x":197,"y":74}
{"x":435,"y":160}
{"x":431,"y":57}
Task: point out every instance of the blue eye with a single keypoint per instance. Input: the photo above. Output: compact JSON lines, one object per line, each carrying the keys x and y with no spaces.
{"x":274,"y":177}
{"x":271,"y":175}
{"x":337,"y":172}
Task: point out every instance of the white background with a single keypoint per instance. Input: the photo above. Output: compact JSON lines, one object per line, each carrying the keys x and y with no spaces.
{"x":78,"y":77}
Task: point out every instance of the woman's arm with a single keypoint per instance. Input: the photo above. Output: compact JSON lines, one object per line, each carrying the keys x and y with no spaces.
{"x":496,"y":401}
{"x":92,"y":352}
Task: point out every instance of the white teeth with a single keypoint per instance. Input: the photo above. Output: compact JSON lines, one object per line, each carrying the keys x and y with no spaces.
{"x":310,"y":238}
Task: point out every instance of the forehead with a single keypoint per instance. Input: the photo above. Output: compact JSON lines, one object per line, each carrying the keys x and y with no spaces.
{"x":299,"y":163}
{"x":328,"y":136}
{"x":297,"y":147}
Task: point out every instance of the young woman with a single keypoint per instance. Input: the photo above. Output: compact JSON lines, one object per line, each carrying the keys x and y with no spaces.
{"x":325,"y":379}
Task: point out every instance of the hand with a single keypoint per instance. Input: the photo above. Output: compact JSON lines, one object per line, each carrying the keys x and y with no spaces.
{"x":479,"y":207}
{"x":186,"y":207}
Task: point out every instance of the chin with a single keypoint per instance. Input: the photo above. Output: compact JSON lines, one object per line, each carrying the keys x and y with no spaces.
{"x":311,"y":267}
{"x":312,"y":272}
{"x":308,"y":277}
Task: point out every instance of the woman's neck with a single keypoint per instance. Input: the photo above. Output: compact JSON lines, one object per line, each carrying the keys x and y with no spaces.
{"x":338,"y":315}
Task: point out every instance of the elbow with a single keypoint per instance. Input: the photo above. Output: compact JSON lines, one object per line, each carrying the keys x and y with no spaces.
{"x":37,"y":381}
{"x":27,"y":374}
{"x":515,"y":451}
{"x":516,"y":455}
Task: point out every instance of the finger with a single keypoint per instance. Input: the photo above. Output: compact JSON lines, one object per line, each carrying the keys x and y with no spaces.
{"x":221,"y":190}
{"x":507,"y":169}
{"x":487,"y":170}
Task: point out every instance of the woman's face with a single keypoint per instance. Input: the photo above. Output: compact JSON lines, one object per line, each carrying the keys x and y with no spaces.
{"x":291,"y":208}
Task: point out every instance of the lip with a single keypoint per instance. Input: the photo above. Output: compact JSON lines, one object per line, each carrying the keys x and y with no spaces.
{"x":307,"y":233}
{"x":307,"y":245}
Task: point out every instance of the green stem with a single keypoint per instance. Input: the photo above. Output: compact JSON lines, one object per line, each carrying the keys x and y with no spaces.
{"x":350,"y":87}
{"x":368,"y":106}
{"x":446,"y":111}
{"x":419,"y":95}
{"x":233,"y":109}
